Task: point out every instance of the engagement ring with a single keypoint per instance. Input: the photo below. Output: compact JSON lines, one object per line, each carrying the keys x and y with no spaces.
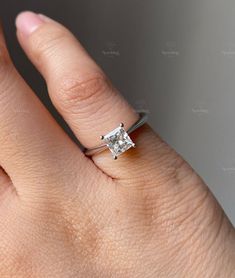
{"x":118,"y":140}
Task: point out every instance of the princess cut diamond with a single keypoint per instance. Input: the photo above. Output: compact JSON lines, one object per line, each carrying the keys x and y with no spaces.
{"x":118,"y":141}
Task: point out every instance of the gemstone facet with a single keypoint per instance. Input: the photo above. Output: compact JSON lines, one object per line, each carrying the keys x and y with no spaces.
{"x":118,"y":141}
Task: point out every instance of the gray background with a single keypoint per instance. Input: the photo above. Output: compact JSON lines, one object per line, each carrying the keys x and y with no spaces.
{"x":174,"y":58}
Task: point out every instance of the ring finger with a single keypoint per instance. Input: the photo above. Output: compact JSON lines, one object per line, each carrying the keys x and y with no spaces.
{"x":77,"y":86}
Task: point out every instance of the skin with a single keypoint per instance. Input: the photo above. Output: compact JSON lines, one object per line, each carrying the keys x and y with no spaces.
{"x":62,"y":214}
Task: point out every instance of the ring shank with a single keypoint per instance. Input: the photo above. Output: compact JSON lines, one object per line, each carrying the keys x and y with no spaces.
{"x":97,"y":149}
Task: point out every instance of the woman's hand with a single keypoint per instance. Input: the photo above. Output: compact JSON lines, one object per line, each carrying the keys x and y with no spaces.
{"x":62,"y":214}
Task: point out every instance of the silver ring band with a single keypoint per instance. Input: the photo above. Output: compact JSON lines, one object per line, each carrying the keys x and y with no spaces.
{"x":119,"y":132}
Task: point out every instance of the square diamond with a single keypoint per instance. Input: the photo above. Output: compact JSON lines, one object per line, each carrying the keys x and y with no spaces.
{"x":118,"y":141}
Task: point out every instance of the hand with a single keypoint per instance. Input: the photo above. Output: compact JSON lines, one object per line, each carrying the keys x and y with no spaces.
{"x":63,"y":214}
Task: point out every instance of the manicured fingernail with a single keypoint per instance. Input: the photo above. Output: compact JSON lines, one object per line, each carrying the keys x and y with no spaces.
{"x":28,"y":22}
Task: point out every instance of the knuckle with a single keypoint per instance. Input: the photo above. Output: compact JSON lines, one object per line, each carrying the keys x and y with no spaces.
{"x":13,"y":254}
{"x":74,"y":93}
{"x":22,"y":262}
{"x":82,"y":231}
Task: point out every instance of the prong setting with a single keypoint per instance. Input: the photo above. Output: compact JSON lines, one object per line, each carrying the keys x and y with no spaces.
{"x":118,"y":141}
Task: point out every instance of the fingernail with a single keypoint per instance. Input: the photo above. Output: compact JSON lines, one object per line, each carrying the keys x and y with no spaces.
{"x":28,"y":22}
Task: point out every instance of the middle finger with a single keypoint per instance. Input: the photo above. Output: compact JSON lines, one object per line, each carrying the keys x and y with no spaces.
{"x":32,"y":144}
